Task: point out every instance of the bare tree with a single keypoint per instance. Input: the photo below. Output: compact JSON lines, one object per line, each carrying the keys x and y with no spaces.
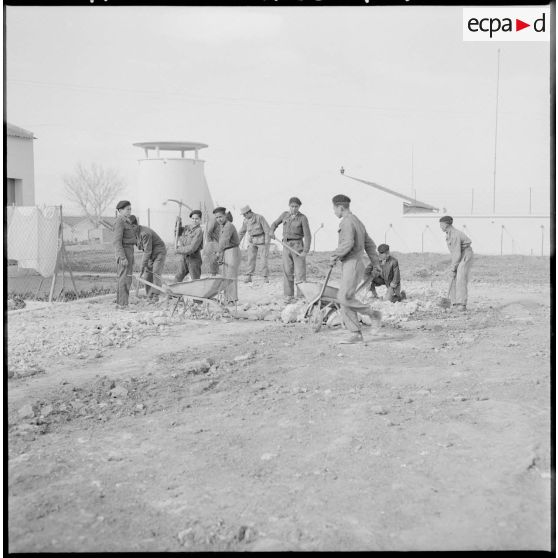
{"x":93,"y":188}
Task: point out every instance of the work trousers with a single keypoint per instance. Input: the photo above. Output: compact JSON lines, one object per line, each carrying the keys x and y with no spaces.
{"x":189,"y":264}
{"x":393,"y":294}
{"x":253,"y":250}
{"x":210,"y":253}
{"x":294,"y":267}
{"x":352,"y":271}
{"x":458,"y":291}
{"x":153,"y":273}
{"x":124,"y":273}
{"x":231,"y":258}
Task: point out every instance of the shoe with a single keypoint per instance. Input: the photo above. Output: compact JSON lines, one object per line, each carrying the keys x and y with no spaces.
{"x":353,"y":338}
{"x":403,"y":295}
{"x":248,"y":279}
{"x":459,"y":307}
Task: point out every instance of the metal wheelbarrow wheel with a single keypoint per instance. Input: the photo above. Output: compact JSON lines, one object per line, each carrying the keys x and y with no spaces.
{"x":319,"y":316}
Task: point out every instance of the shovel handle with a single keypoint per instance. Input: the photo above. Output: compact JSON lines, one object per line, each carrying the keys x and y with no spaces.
{"x":289,"y":248}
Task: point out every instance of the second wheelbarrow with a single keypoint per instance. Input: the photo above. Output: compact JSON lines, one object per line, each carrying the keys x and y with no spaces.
{"x":208,"y":289}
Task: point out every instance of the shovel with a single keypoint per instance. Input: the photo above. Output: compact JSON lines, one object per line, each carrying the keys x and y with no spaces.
{"x":445,"y":302}
{"x":288,"y":247}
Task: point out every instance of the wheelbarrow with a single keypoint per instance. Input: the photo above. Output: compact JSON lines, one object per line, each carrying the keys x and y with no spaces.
{"x":322,"y":300}
{"x":208,"y":289}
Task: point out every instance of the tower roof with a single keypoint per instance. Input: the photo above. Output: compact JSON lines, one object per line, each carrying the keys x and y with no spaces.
{"x":171,"y":145}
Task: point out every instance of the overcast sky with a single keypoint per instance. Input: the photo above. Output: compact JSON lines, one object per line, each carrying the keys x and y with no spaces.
{"x":284,"y":97}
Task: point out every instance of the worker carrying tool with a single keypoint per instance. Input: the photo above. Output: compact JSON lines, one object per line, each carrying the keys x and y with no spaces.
{"x":190,"y":244}
{"x":459,"y":245}
{"x":388,"y":275}
{"x":353,"y":241}
{"x":154,"y":256}
{"x":259,"y":236}
{"x":297,"y":240}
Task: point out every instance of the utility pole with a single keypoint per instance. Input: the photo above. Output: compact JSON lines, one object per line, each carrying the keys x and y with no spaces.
{"x":530,"y":201}
{"x":496,"y":136}
{"x":472,"y":199}
{"x":502,"y":241}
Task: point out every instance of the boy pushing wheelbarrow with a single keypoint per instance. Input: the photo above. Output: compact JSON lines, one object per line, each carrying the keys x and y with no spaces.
{"x":353,"y":241}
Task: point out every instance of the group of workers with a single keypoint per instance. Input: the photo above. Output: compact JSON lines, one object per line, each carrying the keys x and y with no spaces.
{"x":219,"y":245}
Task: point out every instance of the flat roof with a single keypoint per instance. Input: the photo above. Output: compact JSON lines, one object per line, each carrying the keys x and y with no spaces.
{"x":171,"y":145}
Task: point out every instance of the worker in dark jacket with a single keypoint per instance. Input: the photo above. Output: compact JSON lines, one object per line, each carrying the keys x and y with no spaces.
{"x":229,"y":252}
{"x":297,"y":235}
{"x":124,"y":241}
{"x":190,"y":244}
{"x":154,"y":256}
{"x":388,"y":275}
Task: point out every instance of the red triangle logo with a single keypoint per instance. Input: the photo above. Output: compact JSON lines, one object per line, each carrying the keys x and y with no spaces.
{"x":519,"y":25}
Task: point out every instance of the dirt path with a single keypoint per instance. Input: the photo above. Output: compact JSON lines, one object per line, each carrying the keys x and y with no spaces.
{"x":434,"y":435}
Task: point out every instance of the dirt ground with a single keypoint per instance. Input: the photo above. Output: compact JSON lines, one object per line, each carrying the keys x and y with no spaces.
{"x":137,"y":431}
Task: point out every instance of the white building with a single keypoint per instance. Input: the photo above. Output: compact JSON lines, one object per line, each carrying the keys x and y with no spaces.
{"x":170,"y":183}
{"x":20,"y":167}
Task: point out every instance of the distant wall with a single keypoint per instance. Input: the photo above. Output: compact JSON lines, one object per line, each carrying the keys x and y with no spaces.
{"x":20,"y":167}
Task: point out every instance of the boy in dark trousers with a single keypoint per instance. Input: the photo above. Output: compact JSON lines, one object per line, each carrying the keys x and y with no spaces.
{"x":389,"y":276}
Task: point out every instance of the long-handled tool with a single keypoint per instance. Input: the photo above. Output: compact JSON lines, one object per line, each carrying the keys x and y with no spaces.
{"x":445,"y":302}
{"x":288,"y":247}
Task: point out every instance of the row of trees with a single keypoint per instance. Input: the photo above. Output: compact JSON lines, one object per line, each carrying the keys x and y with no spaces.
{"x":94,"y":189}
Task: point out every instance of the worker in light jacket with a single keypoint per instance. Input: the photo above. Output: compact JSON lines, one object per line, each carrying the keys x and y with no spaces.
{"x":459,"y":245}
{"x":297,"y":235}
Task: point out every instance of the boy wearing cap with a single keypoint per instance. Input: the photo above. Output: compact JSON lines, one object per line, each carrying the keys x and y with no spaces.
{"x":154,"y":256}
{"x":229,"y":252}
{"x":353,"y":241}
{"x":190,"y":244}
{"x":389,"y":276}
{"x":259,"y":236}
{"x":297,"y":235}
{"x":459,"y":245}
{"x":124,"y":240}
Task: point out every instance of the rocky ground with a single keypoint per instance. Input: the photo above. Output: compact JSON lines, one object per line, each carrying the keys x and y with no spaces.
{"x":138,"y":431}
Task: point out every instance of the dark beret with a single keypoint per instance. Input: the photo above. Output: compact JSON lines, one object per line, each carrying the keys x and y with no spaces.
{"x":446,"y":219}
{"x":340,"y":198}
{"x":295,"y":200}
{"x":133,"y":220}
{"x":382,"y":248}
{"x":222,"y":210}
{"x":122,"y":204}
{"x":195,"y":212}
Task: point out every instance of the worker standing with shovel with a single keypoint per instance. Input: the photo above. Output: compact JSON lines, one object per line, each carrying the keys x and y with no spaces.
{"x":353,"y":241}
{"x":459,"y":245}
{"x":297,"y":240}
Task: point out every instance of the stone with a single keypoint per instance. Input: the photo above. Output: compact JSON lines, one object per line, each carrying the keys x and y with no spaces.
{"x":240,"y":358}
{"x":198,"y":366}
{"x":119,"y":391}
{"x":267,"y":456}
{"x":26,"y":411}
{"x":46,"y":411}
{"x":379,"y":410}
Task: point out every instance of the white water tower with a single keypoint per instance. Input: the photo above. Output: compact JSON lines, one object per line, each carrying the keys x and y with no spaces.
{"x":165,"y":180}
